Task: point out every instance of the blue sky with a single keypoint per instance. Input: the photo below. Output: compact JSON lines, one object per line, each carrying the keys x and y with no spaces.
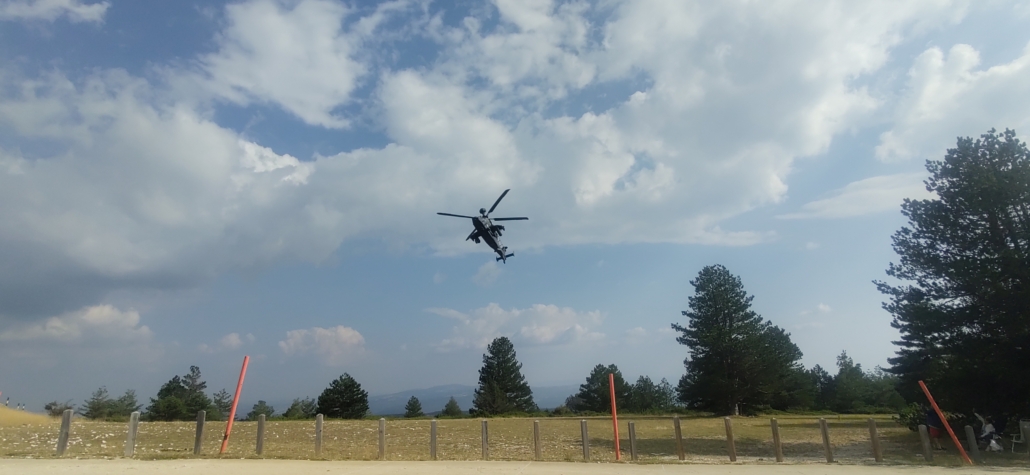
{"x":191,"y":182}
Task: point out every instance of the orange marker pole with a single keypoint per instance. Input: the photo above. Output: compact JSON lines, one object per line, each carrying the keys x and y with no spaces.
{"x":615,"y":416}
{"x":232,"y":412}
{"x":945,"y":421}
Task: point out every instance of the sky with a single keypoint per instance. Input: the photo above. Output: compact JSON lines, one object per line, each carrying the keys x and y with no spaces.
{"x":185,"y":183}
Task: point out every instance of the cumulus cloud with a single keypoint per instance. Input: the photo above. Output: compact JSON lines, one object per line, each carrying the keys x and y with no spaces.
{"x":710,"y":106}
{"x":949,"y":96}
{"x":51,"y":10}
{"x":334,"y":346}
{"x":232,"y":341}
{"x":867,"y":196}
{"x":487,"y":274}
{"x":537,"y":325}
{"x":90,"y":324}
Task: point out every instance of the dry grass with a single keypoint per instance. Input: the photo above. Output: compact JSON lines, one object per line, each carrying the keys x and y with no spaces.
{"x":10,"y":417}
{"x":509,"y":439}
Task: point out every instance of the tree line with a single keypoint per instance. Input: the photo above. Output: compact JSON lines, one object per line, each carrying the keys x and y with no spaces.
{"x":962,"y":308}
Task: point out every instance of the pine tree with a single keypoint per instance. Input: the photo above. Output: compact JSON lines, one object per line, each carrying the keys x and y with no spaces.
{"x":736,"y":358}
{"x":413,"y":408}
{"x":180,"y":398}
{"x":451,"y":409}
{"x":301,"y":409}
{"x":125,"y":405}
{"x":963,"y":310}
{"x":98,"y":406}
{"x":502,"y":388}
{"x":595,"y":394}
{"x":221,"y":404}
{"x":343,"y":399}
{"x":260,"y":408}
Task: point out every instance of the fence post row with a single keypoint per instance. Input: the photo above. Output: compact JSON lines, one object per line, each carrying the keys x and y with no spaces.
{"x":130,"y":437}
{"x":199,"y":439}
{"x":432,"y":439}
{"x":825,"y":429}
{"x":633,"y":441}
{"x":536,"y":441}
{"x":260,"y":434}
{"x":730,"y":446}
{"x":586,"y":440}
{"x":777,"y":445}
{"x":66,"y":427}
{"x":318,"y":435}
{"x":924,"y":437}
{"x":382,"y":438}
{"x":486,"y":443}
{"x":874,"y":438}
{"x":679,"y":438}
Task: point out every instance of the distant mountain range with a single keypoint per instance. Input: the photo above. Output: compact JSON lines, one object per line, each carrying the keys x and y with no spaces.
{"x":435,"y":398}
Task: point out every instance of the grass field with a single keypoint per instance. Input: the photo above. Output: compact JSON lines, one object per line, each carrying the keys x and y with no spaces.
{"x":509,"y":439}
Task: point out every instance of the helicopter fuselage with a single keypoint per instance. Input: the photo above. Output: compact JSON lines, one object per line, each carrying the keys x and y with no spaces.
{"x":487,"y":231}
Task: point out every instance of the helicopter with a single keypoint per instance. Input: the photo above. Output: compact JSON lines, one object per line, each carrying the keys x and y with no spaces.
{"x":487,"y":231}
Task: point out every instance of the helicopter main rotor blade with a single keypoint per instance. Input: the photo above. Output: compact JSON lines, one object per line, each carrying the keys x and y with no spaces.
{"x":498,"y":201}
{"x":456,"y":215}
{"x":508,"y":219}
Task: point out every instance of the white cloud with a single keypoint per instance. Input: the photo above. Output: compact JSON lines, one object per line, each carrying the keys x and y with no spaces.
{"x":439,"y":277}
{"x":295,"y":54}
{"x":51,"y":10}
{"x":867,"y":196}
{"x":487,"y":274}
{"x":232,"y":341}
{"x":823,"y":308}
{"x":811,"y":245}
{"x":90,"y":324}
{"x":537,"y":325}
{"x":334,"y":346}
{"x":948,"y":96}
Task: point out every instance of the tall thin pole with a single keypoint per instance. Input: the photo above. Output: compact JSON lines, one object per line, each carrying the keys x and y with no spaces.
{"x":615,"y":416}
{"x":235,"y":401}
{"x":945,"y":421}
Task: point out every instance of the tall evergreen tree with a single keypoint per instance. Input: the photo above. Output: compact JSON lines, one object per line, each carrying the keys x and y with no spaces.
{"x":125,"y":405}
{"x":502,"y":388}
{"x":343,"y":399}
{"x":301,"y":409}
{"x":413,"y":408}
{"x":180,"y":398}
{"x":736,"y":358}
{"x":451,"y":409}
{"x":260,"y":408}
{"x":98,"y":406}
{"x":221,"y":403}
{"x":595,"y":394}
{"x":964,"y":311}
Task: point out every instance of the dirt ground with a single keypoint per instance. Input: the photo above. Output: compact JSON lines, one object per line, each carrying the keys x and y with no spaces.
{"x":269,"y":467}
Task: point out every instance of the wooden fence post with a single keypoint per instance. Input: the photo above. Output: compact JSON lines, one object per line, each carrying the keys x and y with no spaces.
{"x":261,"y":434}
{"x":199,"y":438}
{"x":130,"y":437}
{"x":632,"y":441}
{"x":586,"y":439}
{"x":777,"y":444}
{"x":486,"y":442}
{"x":66,"y":427}
{"x":679,"y":438}
{"x":729,"y":439}
{"x":382,"y":438}
{"x":432,"y":439}
{"x":924,"y":437}
{"x":318,"y":435}
{"x":874,"y":438}
{"x":974,"y":449}
{"x":825,"y":429}
{"x":536,"y":441}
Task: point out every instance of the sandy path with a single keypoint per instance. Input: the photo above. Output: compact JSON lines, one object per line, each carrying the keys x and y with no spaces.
{"x":270,"y":467}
